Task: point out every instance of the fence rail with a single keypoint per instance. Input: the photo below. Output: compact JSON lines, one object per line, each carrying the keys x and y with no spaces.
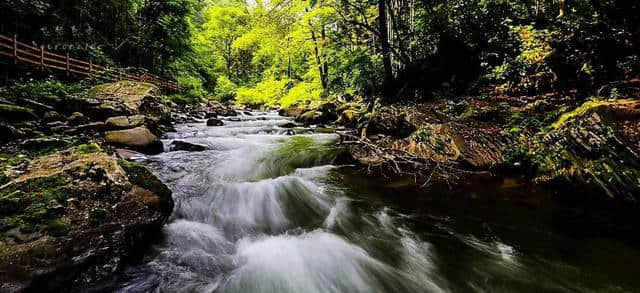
{"x":13,"y":48}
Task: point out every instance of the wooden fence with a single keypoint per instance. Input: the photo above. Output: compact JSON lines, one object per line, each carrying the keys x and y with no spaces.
{"x":21,"y":52}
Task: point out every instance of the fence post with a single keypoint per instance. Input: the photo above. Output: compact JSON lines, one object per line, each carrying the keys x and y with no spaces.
{"x":41,"y":57}
{"x":68,"y":67}
{"x":15,"y":48}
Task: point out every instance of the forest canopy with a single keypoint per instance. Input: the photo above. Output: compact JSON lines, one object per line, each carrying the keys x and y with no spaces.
{"x":283,"y":52}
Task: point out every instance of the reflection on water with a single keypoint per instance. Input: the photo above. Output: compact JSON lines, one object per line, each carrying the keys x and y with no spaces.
{"x":261,"y":211}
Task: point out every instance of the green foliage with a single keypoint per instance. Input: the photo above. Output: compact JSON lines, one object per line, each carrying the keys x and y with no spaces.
{"x":266,"y":92}
{"x":225,"y":88}
{"x":89,"y":148}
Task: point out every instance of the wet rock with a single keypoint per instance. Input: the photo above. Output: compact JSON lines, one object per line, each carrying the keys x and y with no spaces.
{"x":180,"y":145}
{"x":139,"y":138}
{"x":214,"y":122}
{"x":130,"y":155}
{"x":289,"y":125}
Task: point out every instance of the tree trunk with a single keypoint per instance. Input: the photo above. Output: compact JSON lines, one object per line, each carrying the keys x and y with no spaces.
{"x":386,"y":50}
{"x":316,"y":51}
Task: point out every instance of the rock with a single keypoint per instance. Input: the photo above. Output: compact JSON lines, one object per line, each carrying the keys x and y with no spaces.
{"x":77,"y":118}
{"x":210,"y":115}
{"x":59,"y":129}
{"x":8,"y":132}
{"x":292,"y":111}
{"x":213,"y":107}
{"x":81,"y":219}
{"x":324,"y":114}
{"x":52,"y":116}
{"x":214,"y":122}
{"x":180,"y":145}
{"x":139,"y":138}
{"x":13,"y":113}
{"x":128,"y":122}
{"x":43,"y":143}
{"x":130,"y":155}
{"x":247,"y":113}
{"x":40,"y":108}
{"x":126,"y":98}
{"x":289,"y":125}
{"x":93,"y":127}
{"x":389,"y":122}
{"x":593,"y":150}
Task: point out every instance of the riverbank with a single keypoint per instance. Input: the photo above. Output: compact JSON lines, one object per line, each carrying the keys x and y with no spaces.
{"x":582,"y":151}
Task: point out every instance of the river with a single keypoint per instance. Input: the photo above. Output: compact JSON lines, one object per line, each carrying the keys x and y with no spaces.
{"x":263,"y":211}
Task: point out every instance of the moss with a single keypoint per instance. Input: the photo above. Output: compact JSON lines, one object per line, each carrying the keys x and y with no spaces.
{"x":57,"y":228}
{"x":468,"y":113}
{"x":16,"y":113}
{"x":140,"y":175}
{"x":297,"y":152}
{"x":88,"y":148}
{"x":586,"y":107}
{"x":31,"y":205}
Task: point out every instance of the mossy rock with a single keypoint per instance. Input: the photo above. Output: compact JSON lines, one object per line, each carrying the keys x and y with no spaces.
{"x":13,"y":113}
{"x":141,"y":176}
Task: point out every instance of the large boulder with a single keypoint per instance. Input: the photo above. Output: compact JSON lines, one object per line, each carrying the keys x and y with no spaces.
{"x":128,"y":122}
{"x":126,"y":98}
{"x":77,"y":217}
{"x":181,"y":145}
{"x":592,"y":150}
{"x":214,"y":122}
{"x":139,"y":139}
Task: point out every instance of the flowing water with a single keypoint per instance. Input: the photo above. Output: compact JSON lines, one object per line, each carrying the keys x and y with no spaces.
{"x":264,"y":211}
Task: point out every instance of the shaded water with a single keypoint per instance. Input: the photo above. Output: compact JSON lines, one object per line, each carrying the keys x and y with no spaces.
{"x":265,"y":212}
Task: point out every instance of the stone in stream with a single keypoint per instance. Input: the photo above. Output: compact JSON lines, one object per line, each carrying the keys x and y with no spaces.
{"x":181,"y":145}
{"x":289,"y":125}
{"x":130,"y":155}
{"x":139,"y":139}
{"x":214,"y":122}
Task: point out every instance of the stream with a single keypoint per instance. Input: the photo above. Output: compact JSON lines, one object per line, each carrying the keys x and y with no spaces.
{"x":266,"y":211}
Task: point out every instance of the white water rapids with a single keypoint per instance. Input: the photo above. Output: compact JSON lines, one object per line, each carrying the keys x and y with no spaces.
{"x":263,"y":211}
